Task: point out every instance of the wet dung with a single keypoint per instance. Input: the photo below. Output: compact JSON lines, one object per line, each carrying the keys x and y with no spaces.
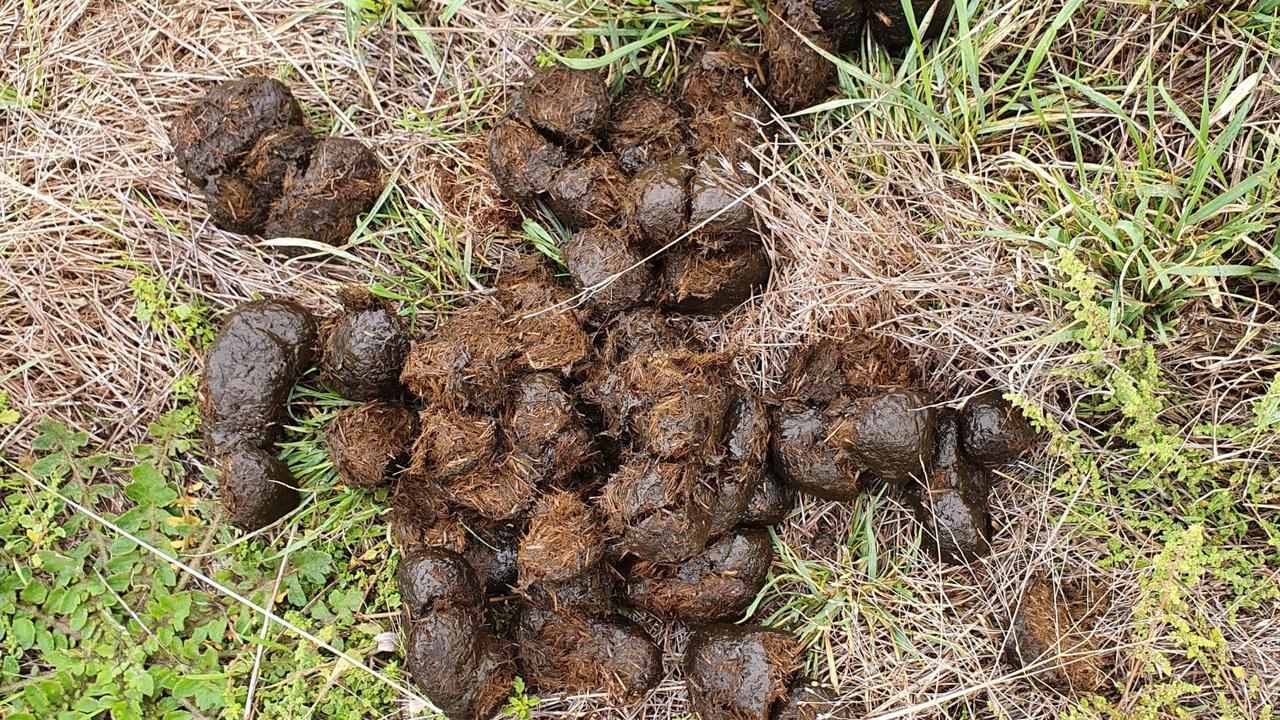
{"x":565,"y":539}
{"x":842,"y":19}
{"x":569,"y":106}
{"x":565,"y":652}
{"x":992,"y":431}
{"x":587,"y":192}
{"x":364,"y":350}
{"x":807,"y":701}
{"x":804,"y":455}
{"x":249,"y":370}
{"x":709,"y":284}
{"x":434,"y":579}
{"x":714,"y":193}
{"x":890,"y":434}
{"x":522,"y":161}
{"x":746,"y":449}
{"x":769,"y":504}
{"x":603,"y":264}
{"x":739,"y":672}
{"x":798,"y":74}
{"x":1052,"y":627}
{"x":660,"y":511}
{"x":890,"y":27}
{"x":465,"y":363}
{"x":717,"y":584}
{"x":370,"y":443}
{"x":255,"y":487}
{"x":212,"y":135}
{"x":660,"y":196}
{"x":645,"y":129}
{"x":342,"y":182}
{"x":950,"y":501}
{"x":543,"y":422}
{"x":241,"y":201}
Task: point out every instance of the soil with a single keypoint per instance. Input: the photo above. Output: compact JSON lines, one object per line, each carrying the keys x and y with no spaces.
{"x":544,"y":423}
{"x":660,"y":511}
{"x":566,"y":652}
{"x":569,"y":106}
{"x":769,"y":504}
{"x":594,"y":257}
{"x":710,"y":284}
{"x":807,"y":701}
{"x":890,"y":434}
{"x":369,"y":444}
{"x":254,"y":486}
{"x":798,"y":74}
{"x":889,"y":24}
{"x":739,"y":672}
{"x":364,"y":350}
{"x":565,"y":539}
{"x":718,"y":584}
{"x":588,"y":191}
{"x":992,"y":431}
{"x":213,"y":135}
{"x":343,"y":181}
{"x":803,"y":454}
{"x":715,"y":188}
{"x":522,"y":161}
{"x":241,"y":201}
{"x":645,"y":129}
{"x":746,"y":449}
{"x":659,"y":193}
{"x":951,"y":499}
{"x":1052,"y":626}
{"x":261,"y":350}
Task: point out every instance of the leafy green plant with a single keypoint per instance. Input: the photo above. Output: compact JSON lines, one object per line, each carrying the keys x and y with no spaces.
{"x":520,"y":705}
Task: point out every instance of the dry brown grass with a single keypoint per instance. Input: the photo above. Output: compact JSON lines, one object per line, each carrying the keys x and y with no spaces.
{"x":869,"y":228}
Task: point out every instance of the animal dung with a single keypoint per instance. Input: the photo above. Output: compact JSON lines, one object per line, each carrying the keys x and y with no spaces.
{"x":261,"y":350}
{"x":739,"y":672}
{"x":624,"y":176}
{"x":245,"y":144}
{"x":1049,"y":634}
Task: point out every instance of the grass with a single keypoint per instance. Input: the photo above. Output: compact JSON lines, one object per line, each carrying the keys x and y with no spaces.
{"x":1075,"y":201}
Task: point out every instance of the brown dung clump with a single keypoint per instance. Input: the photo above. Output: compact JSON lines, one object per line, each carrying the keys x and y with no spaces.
{"x":645,"y":129}
{"x":1051,"y":630}
{"x":798,"y":75}
{"x":950,"y":498}
{"x":717,"y":584}
{"x":262,"y":348}
{"x":364,"y":349}
{"x":245,"y":144}
{"x":566,"y":652}
{"x":342,"y":182}
{"x":565,"y":539}
{"x":462,"y":667}
{"x":370,"y":443}
{"x":737,"y":672}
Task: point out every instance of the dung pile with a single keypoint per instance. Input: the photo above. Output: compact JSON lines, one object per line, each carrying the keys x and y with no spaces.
{"x":800,"y":31}
{"x":244,"y":143}
{"x":852,"y":415}
{"x":631,"y":175}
